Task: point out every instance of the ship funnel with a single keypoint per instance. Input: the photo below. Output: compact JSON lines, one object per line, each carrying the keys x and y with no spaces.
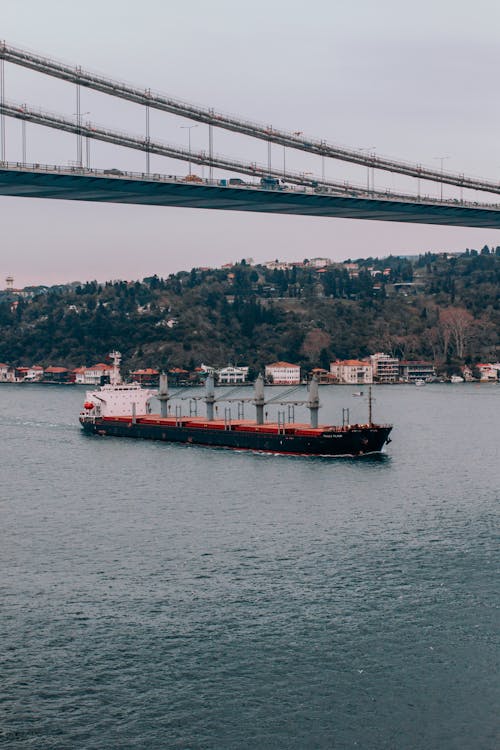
{"x":210,"y":396}
{"x":259,"y":399}
{"x":163,"y":396}
{"x":313,"y":402}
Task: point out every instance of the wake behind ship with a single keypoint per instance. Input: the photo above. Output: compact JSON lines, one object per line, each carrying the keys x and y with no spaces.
{"x":124,"y":410}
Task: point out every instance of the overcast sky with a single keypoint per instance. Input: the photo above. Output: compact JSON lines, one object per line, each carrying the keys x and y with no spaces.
{"x":410,"y":80}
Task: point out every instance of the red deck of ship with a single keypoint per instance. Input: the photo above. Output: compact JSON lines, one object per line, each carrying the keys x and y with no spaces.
{"x":243,"y":425}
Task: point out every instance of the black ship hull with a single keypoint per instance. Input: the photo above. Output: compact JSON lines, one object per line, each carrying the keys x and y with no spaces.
{"x":353,"y":440}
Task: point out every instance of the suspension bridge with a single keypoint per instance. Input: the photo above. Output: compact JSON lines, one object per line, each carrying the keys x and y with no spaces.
{"x":260,"y":187}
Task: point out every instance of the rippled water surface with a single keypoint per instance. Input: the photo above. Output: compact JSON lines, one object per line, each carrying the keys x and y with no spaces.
{"x":159,"y":596}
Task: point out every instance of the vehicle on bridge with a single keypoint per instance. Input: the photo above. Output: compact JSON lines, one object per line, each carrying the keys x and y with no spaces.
{"x":272,"y":183}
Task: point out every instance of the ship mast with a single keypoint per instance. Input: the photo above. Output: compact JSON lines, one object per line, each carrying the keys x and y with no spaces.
{"x":163,"y":396}
{"x":313,"y":402}
{"x":259,"y":399}
{"x":210,"y":396}
{"x":116,"y":358}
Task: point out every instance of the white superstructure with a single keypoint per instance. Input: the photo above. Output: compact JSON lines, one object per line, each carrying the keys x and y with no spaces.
{"x":117,"y":399}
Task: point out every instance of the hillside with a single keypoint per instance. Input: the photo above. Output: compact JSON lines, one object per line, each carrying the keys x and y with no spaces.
{"x":438,"y":307}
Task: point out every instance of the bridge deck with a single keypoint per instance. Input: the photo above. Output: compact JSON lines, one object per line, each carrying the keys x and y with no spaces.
{"x":93,"y":186}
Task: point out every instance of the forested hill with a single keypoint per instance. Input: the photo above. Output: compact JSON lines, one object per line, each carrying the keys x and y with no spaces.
{"x":437,"y":307}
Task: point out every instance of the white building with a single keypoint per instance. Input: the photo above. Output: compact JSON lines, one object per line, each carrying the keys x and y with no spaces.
{"x":352,"y":371}
{"x":489,"y":373}
{"x":283,"y":373}
{"x":35,"y":372}
{"x":277,"y":265}
{"x":92,"y":375}
{"x":319,"y":262}
{"x":232,"y":375}
{"x":385,"y":368}
{"x":6,"y":373}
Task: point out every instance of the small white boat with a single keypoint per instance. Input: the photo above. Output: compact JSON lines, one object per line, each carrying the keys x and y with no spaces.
{"x":419,"y":381}
{"x":358,"y":393}
{"x":456,"y":379}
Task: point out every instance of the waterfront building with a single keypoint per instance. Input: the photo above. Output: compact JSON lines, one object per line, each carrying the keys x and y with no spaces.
{"x":35,"y":372}
{"x":178,"y":376}
{"x":57,"y":375}
{"x":92,"y":375}
{"x":6,"y":373}
{"x":385,"y":368}
{"x":232,"y":375}
{"x":147,"y":376}
{"x":324,"y":377}
{"x":488,"y":373}
{"x":352,"y":371}
{"x":28,"y":374}
{"x":283,"y":373}
{"x":410,"y":371}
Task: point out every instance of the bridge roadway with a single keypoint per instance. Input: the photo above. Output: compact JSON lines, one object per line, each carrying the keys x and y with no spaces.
{"x":112,"y":186}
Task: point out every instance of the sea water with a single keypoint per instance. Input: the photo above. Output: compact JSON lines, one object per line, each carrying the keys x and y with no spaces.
{"x":162,"y":596}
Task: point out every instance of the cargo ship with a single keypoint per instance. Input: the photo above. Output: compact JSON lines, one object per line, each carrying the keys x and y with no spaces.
{"x":124,"y":410}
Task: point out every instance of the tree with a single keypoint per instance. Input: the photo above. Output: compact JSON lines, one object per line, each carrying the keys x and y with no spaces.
{"x":456,"y":324}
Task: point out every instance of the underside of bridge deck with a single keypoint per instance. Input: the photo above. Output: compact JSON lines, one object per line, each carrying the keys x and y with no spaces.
{"x":152,"y":192}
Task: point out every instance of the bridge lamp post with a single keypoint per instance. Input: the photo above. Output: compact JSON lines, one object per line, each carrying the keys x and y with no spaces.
{"x":87,"y":149}
{"x":211,"y":148}
{"x":441,"y":159}
{"x":87,"y":144}
{"x":373,"y":171}
{"x":79,"y":149}
{"x":295,"y":132}
{"x":323,"y":163}
{"x":148,"y":94}
{"x":189,"y":129}
{"x":368,"y":149}
{"x":23,"y":136}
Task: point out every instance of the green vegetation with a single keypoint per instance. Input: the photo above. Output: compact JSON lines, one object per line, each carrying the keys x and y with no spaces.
{"x":437,"y":307}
